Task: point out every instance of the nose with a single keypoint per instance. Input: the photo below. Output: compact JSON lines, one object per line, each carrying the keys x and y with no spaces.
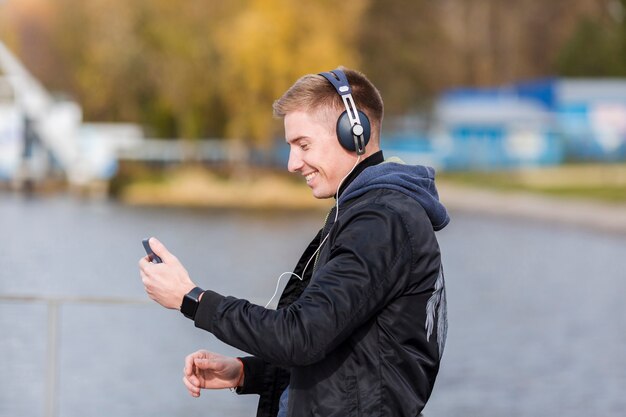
{"x":295,"y":162}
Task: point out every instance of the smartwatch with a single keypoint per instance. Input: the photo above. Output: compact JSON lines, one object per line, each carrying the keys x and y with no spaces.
{"x":191,"y":302}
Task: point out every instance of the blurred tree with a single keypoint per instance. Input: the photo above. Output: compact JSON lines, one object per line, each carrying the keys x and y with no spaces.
{"x":211,"y":68}
{"x":100,"y":40}
{"x":401,"y":42}
{"x":147,"y":61}
{"x":26,"y":27}
{"x":413,"y":49}
{"x":270,"y":44}
{"x":197,"y":68}
{"x":492,"y":42}
{"x":181,"y":53}
{"x":603,"y":40}
{"x":603,"y":45}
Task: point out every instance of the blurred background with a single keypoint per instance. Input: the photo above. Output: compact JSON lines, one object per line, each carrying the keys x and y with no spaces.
{"x":121,"y":120}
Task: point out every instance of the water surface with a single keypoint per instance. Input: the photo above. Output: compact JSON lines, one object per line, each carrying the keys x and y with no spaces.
{"x":536,"y":312}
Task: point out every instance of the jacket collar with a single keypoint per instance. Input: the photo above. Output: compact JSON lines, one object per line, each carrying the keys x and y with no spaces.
{"x":371,"y":160}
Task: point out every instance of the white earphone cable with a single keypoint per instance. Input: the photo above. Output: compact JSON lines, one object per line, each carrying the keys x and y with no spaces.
{"x":323,"y":240}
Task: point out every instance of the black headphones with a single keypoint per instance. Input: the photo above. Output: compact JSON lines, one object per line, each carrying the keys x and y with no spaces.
{"x":353,"y":126}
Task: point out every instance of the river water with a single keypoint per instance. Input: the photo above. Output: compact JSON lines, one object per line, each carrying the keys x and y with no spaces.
{"x":536,"y":312}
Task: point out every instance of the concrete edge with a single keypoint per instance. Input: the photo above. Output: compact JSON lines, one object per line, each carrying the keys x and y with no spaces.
{"x":579,"y":212}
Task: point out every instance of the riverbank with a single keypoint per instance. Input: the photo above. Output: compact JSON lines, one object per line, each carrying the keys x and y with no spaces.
{"x":601,"y":182}
{"x":578,"y":211}
{"x":589,"y":195}
{"x":198,"y":187}
{"x":527,"y":195}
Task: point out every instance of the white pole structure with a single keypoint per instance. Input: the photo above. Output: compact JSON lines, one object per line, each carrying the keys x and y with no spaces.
{"x":56,"y":123}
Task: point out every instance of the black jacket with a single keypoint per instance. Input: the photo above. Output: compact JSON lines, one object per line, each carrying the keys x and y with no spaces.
{"x":363,"y":334}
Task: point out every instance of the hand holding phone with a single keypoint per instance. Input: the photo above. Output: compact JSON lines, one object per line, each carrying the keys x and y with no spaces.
{"x":151,"y":255}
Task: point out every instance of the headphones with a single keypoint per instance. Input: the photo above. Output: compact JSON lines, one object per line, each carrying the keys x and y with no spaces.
{"x":353,"y":132}
{"x":353,"y":126}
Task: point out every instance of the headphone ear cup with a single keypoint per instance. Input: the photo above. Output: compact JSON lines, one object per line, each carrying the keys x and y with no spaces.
{"x":344,"y":130}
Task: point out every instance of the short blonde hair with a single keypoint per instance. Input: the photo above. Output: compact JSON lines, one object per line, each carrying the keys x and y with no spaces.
{"x":313,"y":93}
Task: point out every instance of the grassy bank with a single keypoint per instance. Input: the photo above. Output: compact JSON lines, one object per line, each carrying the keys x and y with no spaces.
{"x":197,"y":186}
{"x":602,"y":182}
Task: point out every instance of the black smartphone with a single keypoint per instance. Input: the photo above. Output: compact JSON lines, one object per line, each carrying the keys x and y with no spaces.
{"x":153,"y":258}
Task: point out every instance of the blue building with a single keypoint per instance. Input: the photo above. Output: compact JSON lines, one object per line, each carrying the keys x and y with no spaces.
{"x":591,"y":115}
{"x":536,"y":123}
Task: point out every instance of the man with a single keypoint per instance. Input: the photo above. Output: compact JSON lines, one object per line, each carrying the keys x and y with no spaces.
{"x":360,"y":326}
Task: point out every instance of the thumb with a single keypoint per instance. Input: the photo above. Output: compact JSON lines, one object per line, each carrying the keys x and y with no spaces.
{"x":160,"y":250}
{"x":205,"y":364}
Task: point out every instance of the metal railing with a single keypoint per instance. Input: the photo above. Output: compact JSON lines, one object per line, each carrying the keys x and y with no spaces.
{"x":52,"y":345}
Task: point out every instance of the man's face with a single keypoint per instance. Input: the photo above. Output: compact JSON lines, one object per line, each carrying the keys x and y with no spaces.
{"x":316,"y":153}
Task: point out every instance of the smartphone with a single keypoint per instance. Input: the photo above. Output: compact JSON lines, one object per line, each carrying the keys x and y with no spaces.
{"x":153,"y":258}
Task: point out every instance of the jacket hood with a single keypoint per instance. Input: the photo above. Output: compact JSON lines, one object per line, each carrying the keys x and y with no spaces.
{"x":415,"y":181}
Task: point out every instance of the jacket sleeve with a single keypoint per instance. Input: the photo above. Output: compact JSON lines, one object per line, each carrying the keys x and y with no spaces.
{"x":254,"y":375}
{"x":265,"y":379}
{"x":368,"y":265}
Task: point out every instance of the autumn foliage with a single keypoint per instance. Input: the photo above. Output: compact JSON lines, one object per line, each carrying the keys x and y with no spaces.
{"x":208,"y":68}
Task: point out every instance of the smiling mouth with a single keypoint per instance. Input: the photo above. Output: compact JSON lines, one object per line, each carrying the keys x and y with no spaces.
{"x":309,"y":177}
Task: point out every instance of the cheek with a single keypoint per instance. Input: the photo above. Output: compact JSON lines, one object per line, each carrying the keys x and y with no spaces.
{"x":314,"y":157}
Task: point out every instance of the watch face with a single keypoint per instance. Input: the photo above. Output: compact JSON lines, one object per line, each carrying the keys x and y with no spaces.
{"x":190,"y":303}
{"x":189,"y":306}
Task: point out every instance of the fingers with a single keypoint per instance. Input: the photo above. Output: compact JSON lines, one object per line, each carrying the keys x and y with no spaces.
{"x":167,"y":282}
{"x":144,"y":263}
{"x":193,"y":389}
{"x":161,"y":251}
{"x":145,"y":266}
{"x":208,"y":370}
{"x":146,"y":272}
{"x":204,"y":364}
{"x":188,"y":369}
{"x":190,"y":379}
{"x":189,"y":361}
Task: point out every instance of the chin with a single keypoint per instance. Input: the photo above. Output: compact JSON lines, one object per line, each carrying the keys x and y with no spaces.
{"x":322,"y":195}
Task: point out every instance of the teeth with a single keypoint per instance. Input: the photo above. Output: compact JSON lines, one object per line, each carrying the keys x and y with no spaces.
{"x":310,"y":176}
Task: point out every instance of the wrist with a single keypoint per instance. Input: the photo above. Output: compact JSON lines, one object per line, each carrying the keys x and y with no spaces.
{"x":190,"y":302}
{"x":241,"y":375}
{"x":239,"y":382}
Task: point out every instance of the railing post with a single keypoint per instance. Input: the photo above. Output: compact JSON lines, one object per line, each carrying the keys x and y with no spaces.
{"x":52,"y":375}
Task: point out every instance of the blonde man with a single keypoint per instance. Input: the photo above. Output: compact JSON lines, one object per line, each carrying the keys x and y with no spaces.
{"x":360,"y":327}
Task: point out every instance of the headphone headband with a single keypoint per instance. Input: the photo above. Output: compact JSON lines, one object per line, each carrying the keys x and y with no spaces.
{"x":339,"y":81}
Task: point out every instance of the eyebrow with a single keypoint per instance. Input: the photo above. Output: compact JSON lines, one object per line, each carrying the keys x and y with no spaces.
{"x":296,"y":139}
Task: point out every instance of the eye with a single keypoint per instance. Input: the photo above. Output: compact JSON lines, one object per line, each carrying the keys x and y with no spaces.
{"x":304,"y":146}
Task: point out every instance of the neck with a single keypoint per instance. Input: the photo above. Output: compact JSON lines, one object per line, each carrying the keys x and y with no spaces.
{"x":370,"y":158}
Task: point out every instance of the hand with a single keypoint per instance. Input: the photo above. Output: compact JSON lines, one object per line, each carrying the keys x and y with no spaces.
{"x":210,"y":370}
{"x":167,"y":282}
